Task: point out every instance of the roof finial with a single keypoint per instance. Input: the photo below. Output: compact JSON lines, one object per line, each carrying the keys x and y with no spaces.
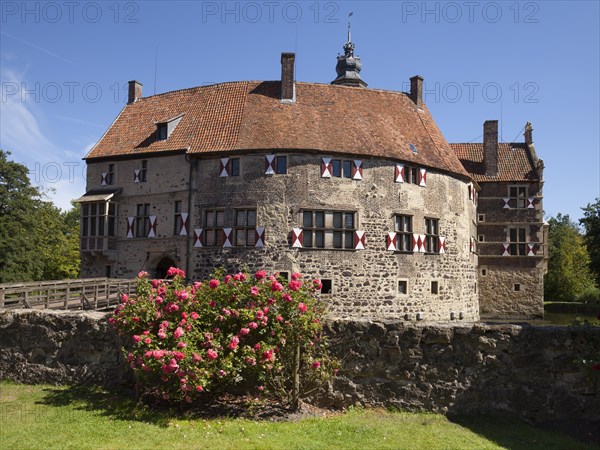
{"x":349,"y":38}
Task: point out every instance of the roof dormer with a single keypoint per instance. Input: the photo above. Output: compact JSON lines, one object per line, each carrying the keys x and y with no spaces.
{"x":164,"y":128}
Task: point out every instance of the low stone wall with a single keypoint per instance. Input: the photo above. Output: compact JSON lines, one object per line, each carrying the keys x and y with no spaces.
{"x":60,"y":347}
{"x":533,"y":372}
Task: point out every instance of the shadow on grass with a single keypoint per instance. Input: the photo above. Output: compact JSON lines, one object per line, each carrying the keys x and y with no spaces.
{"x":122,"y":404}
{"x":513,"y":433}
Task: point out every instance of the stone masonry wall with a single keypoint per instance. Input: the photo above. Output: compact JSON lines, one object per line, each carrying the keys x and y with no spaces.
{"x":533,"y":372}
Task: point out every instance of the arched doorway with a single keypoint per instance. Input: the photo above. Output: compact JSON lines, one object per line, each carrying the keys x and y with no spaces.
{"x":163,"y":266}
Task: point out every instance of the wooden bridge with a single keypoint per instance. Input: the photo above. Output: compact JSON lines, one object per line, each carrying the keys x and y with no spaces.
{"x":80,"y":294}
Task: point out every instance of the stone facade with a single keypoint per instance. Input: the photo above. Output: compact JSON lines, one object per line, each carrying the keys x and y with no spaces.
{"x":364,"y":282}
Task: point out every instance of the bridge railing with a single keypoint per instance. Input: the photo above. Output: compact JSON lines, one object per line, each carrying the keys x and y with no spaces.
{"x":79,"y":294}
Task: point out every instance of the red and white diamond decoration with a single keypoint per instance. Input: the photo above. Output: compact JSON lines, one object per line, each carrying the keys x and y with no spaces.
{"x":442,"y":245}
{"x":136,"y":176}
{"x":130,"y":222}
{"x":183,"y":231}
{"x":391,"y":241}
{"x":152,"y":229}
{"x":104,"y":178}
{"x":297,"y":237}
{"x":530,"y":249}
{"x":224,"y":167}
{"x":270,"y":165}
{"x":506,"y":203}
{"x":399,"y":173}
{"x":357,"y":170}
{"x":325,"y":167}
{"x":359,"y":240}
{"x":506,"y":251}
{"x":228,"y":237}
{"x":419,"y":243}
{"x":260,"y":237}
{"x":423,"y":177}
{"x":198,"y":232}
{"x":530,"y":202}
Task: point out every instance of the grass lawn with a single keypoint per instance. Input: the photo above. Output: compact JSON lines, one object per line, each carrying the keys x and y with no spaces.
{"x":63,"y":417}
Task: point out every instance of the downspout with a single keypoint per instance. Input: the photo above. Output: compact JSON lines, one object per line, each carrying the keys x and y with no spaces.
{"x":190,"y":224}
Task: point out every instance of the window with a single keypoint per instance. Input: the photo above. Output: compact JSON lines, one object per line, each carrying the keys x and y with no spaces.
{"x":481,"y":238}
{"x":517,"y":287}
{"x":481,"y":217}
{"x":483,"y":272}
{"x":234,"y":167}
{"x":341,"y":168}
{"x":403,"y":225}
{"x":178,"y":220}
{"x":403,"y":287}
{"x":107,"y":271}
{"x":281,"y":165}
{"x":434,"y":287}
{"x":432,"y":237}
{"x":144,"y":171}
{"x":284,"y":275}
{"x":518,"y":241}
{"x":245,"y":227}
{"x":411,"y":175}
{"x":110,"y":176}
{"x":214,"y":220}
{"x":142,"y":220}
{"x":161,"y":132}
{"x":327,"y":286}
{"x":97,"y":219}
{"x":518,"y":196}
{"x":328,"y":229}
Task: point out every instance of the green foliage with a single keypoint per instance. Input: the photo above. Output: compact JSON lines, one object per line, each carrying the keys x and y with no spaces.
{"x":568,"y":274}
{"x":590,"y":295}
{"x":37,"y":240}
{"x":187,"y":340}
{"x":591,"y":224}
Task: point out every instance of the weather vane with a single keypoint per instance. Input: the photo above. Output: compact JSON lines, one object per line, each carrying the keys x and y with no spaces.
{"x":349,"y":46}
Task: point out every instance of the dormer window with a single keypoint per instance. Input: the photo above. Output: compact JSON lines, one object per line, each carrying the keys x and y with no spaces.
{"x":161,"y":132}
{"x":164,"y":128}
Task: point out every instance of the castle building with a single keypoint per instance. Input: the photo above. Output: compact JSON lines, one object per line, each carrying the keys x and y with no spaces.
{"x":354,"y":186}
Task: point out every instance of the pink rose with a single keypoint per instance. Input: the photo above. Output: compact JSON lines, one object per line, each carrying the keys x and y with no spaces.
{"x":196,"y":357}
{"x":287,"y":297}
{"x":142,"y":274}
{"x":194,"y":315}
{"x":147,"y":341}
{"x":254,"y":291}
{"x":315,"y":365}
{"x":199,"y":388}
{"x":211,"y":354}
{"x":179,"y":332}
{"x":181,"y":344}
{"x":296,"y":276}
{"x":214,"y":283}
{"x":253,"y":325}
{"x":259,"y":315}
{"x":276,"y":286}
{"x":301,"y":307}
{"x":279,"y":318}
{"x":318,"y":284}
{"x":234,"y":342}
{"x":294,"y":285}
{"x":244,"y":331}
{"x":136,"y":338}
{"x":124,"y":298}
{"x":260,"y":274}
{"x":227,"y":279}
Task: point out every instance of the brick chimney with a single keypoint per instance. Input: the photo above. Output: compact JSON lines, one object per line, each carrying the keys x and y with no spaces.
{"x":528,"y":133}
{"x":416,"y":90}
{"x":490,"y":147}
{"x":134,"y":92}
{"x":288,"y":89}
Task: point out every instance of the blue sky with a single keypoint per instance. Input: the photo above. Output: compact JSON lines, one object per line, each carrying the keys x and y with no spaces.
{"x":64,"y":68}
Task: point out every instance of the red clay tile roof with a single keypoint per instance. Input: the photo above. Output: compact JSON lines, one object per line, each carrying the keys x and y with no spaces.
{"x":514,"y":162}
{"x":242,"y":116}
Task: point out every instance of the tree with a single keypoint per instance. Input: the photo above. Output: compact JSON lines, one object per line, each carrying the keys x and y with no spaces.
{"x":568,"y":261}
{"x":37,"y":240}
{"x":591,"y":224}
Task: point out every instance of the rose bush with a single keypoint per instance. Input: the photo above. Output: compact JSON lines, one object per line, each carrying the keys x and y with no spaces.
{"x":255,"y":329}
